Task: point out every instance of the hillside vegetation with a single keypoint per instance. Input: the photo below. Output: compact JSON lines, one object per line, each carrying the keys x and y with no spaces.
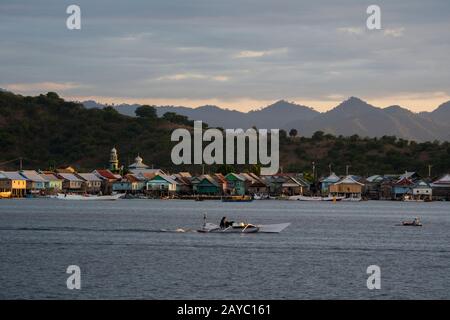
{"x":48,"y":132}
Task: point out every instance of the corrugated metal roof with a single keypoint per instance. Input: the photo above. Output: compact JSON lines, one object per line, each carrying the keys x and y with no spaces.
{"x":11,"y":175}
{"x":70,"y":177}
{"x":89,"y":177}
{"x":32,"y":175}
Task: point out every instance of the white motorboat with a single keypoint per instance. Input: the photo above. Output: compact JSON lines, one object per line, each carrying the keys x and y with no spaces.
{"x":304,"y":198}
{"x":80,"y":197}
{"x":244,"y":228}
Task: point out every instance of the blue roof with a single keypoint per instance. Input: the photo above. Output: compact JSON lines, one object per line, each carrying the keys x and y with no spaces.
{"x":11,"y":175}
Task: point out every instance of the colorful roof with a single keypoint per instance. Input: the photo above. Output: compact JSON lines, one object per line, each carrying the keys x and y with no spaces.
{"x":404,"y":182}
{"x":105,"y":174}
{"x":332,"y":178}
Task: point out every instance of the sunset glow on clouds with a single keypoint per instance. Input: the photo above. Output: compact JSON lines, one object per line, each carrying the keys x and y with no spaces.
{"x":232,"y":54}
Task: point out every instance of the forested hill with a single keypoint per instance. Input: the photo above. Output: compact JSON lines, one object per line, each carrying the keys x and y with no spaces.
{"x":48,"y":132}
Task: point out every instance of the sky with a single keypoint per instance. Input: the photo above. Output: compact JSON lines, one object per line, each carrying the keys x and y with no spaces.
{"x":237,"y":54}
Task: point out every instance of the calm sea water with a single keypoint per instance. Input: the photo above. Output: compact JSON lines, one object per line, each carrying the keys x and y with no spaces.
{"x":122,"y":254}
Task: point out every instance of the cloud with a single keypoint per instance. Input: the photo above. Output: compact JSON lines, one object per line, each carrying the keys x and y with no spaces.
{"x":41,"y":86}
{"x":193,"y":76}
{"x":394,"y":32}
{"x":257,"y":54}
{"x":351,"y":30}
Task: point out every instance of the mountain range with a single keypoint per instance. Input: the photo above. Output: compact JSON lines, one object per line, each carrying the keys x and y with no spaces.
{"x":352,"y":116}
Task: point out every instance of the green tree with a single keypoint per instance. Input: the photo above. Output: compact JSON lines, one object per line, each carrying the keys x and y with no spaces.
{"x":146,"y":111}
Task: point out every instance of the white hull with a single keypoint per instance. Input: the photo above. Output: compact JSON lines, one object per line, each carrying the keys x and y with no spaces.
{"x":352,"y":199}
{"x":260,"y":228}
{"x":62,"y":196}
{"x":304,"y":198}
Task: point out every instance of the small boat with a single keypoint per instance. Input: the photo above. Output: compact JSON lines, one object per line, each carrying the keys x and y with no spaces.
{"x":80,"y":197}
{"x":243,"y":198}
{"x":412,"y":223}
{"x":5,"y":194}
{"x":352,"y":199}
{"x":304,"y":198}
{"x":260,"y":196}
{"x":234,"y":228}
{"x":244,"y":228}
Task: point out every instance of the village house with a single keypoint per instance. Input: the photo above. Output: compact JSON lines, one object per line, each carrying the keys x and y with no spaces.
{"x":12,"y":184}
{"x":53,"y":183}
{"x":401,"y":187}
{"x":293,"y":186}
{"x":184,"y":183}
{"x":326,"y":182}
{"x":254,"y":184}
{"x":347,"y":187}
{"x":221,"y":181}
{"x":122,"y":186}
{"x":207,"y":185}
{"x":71,"y":183}
{"x":372,"y":188}
{"x":35,"y":183}
{"x":92,"y":183}
{"x":65,"y":169}
{"x":235,"y":184}
{"x":421,"y":190}
{"x":441,"y":188}
{"x":274,"y":183}
{"x":162,"y":185}
{"x":108,"y":178}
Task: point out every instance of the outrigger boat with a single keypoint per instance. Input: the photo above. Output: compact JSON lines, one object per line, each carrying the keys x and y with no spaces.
{"x":243,"y":228}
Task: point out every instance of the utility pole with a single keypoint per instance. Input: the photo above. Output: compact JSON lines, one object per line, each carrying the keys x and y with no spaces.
{"x":314,"y":170}
{"x":329,"y":167}
{"x":429,"y":170}
{"x":346,"y":169}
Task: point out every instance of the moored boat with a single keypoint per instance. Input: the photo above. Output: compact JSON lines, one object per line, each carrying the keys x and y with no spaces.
{"x":244,"y":198}
{"x":5,"y":194}
{"x":80,"y":197}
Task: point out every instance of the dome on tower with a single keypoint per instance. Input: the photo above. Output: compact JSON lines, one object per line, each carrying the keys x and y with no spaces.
{"x":138,"y":164}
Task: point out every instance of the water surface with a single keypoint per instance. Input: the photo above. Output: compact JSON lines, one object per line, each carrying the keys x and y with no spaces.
{"x":122,"y":254}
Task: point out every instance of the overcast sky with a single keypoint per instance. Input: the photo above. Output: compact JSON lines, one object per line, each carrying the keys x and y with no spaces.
{"x":239,"y":54}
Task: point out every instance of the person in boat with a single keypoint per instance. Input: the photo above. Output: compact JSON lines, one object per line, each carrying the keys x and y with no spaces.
{"x":224,"y":223}
{"x":416,"y":221}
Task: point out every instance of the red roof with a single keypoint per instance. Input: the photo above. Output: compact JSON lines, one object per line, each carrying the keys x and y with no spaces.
{"x":106,"y":174}
{"x":404,"y":182}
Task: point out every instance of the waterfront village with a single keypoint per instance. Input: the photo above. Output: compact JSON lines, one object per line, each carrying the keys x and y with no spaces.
{"x":141,"y":181}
